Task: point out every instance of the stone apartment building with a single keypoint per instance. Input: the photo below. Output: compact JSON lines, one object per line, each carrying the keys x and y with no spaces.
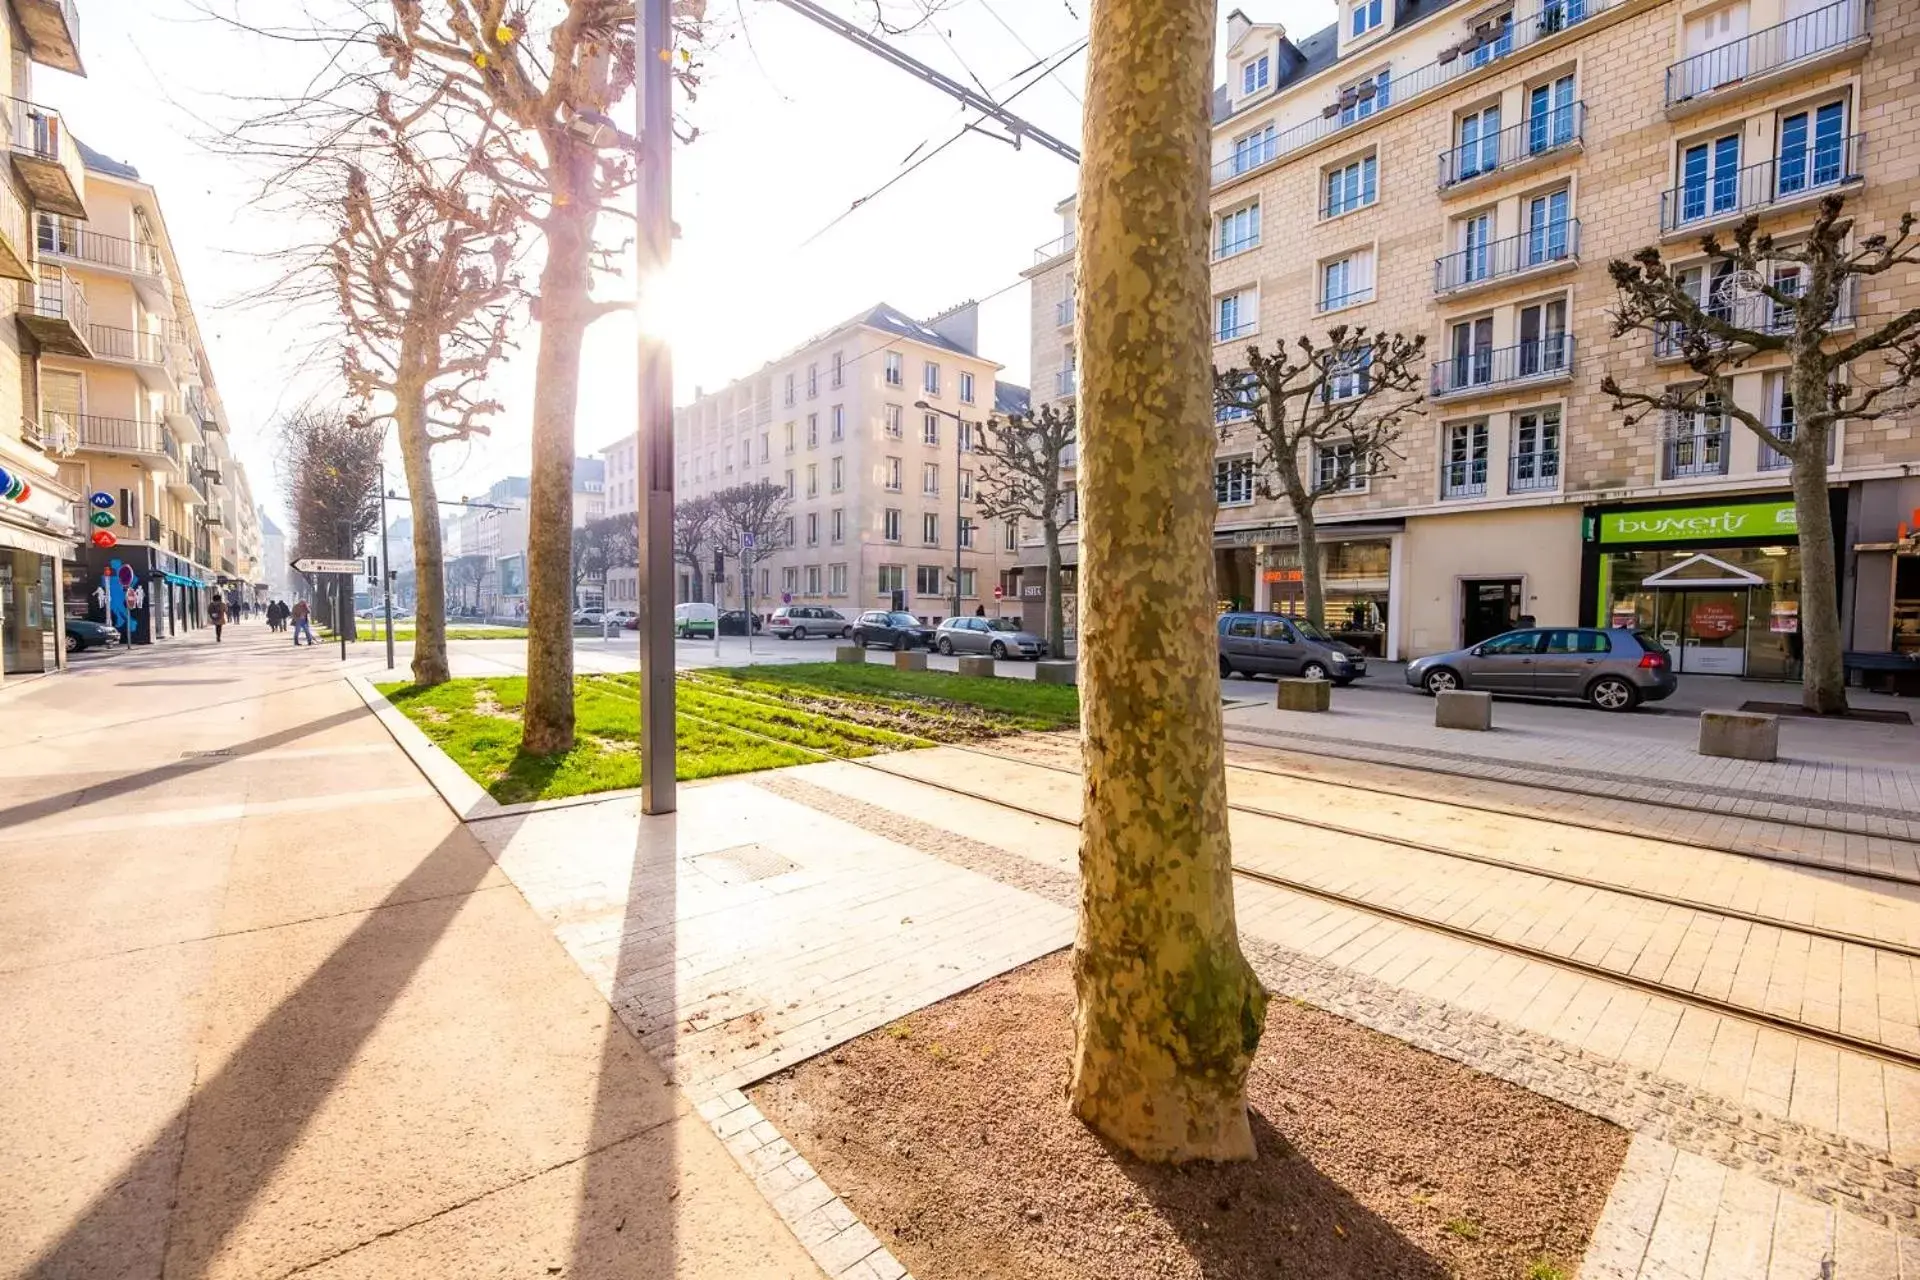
{"x":1466,"y":172}
{"x":881,"y":486}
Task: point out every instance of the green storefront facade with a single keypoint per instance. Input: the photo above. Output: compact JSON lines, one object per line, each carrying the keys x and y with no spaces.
{"x":1718,"y":583}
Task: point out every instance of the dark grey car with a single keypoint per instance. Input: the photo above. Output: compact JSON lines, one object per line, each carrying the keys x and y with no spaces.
{"x":999,"y":637}
{"x":1271,"y":645}
{"x":1614,"y":668}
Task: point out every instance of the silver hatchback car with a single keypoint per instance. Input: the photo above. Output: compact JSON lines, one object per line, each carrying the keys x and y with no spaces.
{"x":1614,"y":668}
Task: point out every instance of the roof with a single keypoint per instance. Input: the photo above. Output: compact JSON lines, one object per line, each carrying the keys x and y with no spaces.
{"x":1302,"y":59}
{"x":1010,"y":398}
{"x":585,"y":469}
{"x":98,"y":163}
{"x":891,"y":319}
{"x":267,"y":527}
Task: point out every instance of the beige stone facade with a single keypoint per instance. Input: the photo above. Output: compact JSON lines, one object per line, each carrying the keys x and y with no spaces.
{"x":1467,"y":173}
{"x":879,"y":485}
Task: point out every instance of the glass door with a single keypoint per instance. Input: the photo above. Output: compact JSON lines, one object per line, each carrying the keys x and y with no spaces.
{"x":1705,"y":632}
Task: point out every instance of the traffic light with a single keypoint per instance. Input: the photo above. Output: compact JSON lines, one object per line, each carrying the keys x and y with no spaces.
{"x":719,"y":564}
{"x":373,"y":567}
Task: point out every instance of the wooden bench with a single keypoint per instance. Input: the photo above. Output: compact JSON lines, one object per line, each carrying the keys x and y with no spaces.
{"x":1885,"y":672}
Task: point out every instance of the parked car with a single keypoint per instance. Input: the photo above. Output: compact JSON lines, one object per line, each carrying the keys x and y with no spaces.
{"x":1000,"y":637}
{"x":798,"y":621}
{"x":695,"y":618}
{"x":626,"y":619}
{"x":83,"y":633}
{"x":1272,"y":645}
{"x":1614,"y":668}
{"x":734,"y":622}
{"x":587,"y":617}
{"x":892,"y":630}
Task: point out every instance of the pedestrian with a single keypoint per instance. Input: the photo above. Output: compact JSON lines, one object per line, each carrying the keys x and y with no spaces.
{"x":217,"y":614}
{"x":980,"y":611}
{"x":301,"y":623}
{"x":277,"y":615}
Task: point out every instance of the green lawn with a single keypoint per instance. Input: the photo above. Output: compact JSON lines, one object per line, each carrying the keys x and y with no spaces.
{"x":729,"y":721}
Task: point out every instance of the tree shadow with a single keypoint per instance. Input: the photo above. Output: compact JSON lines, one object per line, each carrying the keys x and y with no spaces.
{"x":1276,"y":1217}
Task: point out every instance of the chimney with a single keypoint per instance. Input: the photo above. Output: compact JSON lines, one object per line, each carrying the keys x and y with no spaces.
{"x":1238,"y":24}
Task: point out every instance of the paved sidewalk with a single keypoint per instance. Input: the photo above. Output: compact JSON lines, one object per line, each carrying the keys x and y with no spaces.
{"x":268,"y":1009}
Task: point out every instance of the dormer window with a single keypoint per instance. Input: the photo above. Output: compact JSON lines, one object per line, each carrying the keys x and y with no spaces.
{"x":1366,"y":16}
{"x":1258,"y":73}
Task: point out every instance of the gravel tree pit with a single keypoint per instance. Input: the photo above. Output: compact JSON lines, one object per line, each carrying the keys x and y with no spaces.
{"x":949,"y":1134}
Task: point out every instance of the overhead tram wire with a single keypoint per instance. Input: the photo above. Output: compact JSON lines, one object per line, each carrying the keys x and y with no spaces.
{"x":1031,"y":52}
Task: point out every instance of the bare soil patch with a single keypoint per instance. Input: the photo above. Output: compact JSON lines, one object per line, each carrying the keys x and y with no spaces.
{"x":948,"y":1133}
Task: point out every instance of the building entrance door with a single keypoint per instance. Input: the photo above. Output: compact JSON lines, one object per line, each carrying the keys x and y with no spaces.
{"x":1489,"y":606}
{"x":1705,"y":632}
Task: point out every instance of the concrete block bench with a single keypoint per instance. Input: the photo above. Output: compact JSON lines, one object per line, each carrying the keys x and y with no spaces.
{"x":909,"y":660}
{"x":1303,"y":695}
{"x":1463,"y":709}
{"x":977,"y":667}
{"x":853,"y":653}
{"x":1739,"y":735}
{"x":1056,"y":672}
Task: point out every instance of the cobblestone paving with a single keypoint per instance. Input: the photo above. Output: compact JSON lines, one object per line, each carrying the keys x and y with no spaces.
{"x":1848,"y":1174}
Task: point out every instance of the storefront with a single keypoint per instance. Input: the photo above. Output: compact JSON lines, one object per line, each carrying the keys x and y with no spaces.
{"x":1717,"y":584}
{"x":140,"y":591}
{"x":33,"y":549}
{"x":1261,"y":570}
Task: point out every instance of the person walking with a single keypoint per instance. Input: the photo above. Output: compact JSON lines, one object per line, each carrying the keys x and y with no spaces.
{"x":217,"y":615}
{"x":302,"y":618}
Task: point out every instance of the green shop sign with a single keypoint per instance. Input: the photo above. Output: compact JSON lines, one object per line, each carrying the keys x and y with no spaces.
{"x":1770,"y":519}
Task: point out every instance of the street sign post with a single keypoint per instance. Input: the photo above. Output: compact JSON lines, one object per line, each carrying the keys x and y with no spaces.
{"x":314,"y":564}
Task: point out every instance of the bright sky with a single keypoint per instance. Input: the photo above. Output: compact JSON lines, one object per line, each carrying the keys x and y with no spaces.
{"x":796,"y":124}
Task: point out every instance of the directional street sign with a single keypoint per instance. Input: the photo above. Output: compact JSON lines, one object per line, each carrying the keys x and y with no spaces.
{"x":312,"y":564}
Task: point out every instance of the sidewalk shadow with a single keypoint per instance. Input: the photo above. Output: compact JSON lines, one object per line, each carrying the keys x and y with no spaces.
{"x":298,"y":1054}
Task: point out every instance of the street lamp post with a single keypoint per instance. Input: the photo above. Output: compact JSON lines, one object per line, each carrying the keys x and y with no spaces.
{"x":959,"y":429}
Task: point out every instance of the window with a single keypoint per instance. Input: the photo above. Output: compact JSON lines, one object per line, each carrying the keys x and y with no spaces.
{"x":789,"y":484}
{"x":813,"y":431}
{"x":966,"y":533}
{"x":926,"y":579}
{"x":838,"y":377}
{"x":966,"y":485}
{"x":1335,"y":470}
{"x":1550,"y":115}
{"x":813,"y":579}
{"x":1239,"y":231}
{"x":1251,"y":150}
{"x":966,"y":588}
{"x":1350,"y":377}
{"x":836,"y":579}
{"x":766,"y":582}
{"x":1463,"y":467}
{"x":837,"y":422}
{"x":930,"y":428}
{"x":890,"y":474}
{"x":1476,"y":247}
{"x":786,"y":531}
{"x":1010,"y":536}
{"x":790,"y":580}
{"x":1069,"y":504}
{"x":1366,"y":16}
{"x":1471,"y":343}
{"x":1780,"y":419}
{"x":813,"y":479}
{"x":929,"y":477}
{"x":1513,"y":642}
{"x":930,"y":529}
{"x":1258,"y":74}
{"x":1544,"y":344}
{"x":1362,"y":99}
{"x":1236,"y":405}
{"x":789,"y":430}
{"x":1810,"y":149}
{"x":1233,"y":480}
{"x":890,"y":524}
{"x":894,"y":376}
{"x":1578,"y":642}
{"x":930,"y":379}
{"x":837,"y":474}
{"x":813,"y":528}
{"x":1346,"y":282}
{"x":1547,"y":228}
{"x":766,"y":446}
{"x":790,"y":394}
{"x":813,"y":381}
{"x":965,"y":444}
{"x":728,"y":454}
{"x":1236,"y":316}
{"x":1697,"y":441}
{"x":1535,"y":450}
{"x":966,"y":387}
{"x":1476,"y":144}
{"x":1066,"y":379}
{"x":1493,"y":38}
{"x":1354,"y":185}
{"x":890,"y":419}
{"x":1710,"y":178}
{"x":893,"y":577}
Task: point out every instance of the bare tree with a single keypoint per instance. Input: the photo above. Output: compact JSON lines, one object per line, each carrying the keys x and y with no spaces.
{"x":750,"y":521}
{"x":696,"y":522}
{"x":464,"y":574}
{"x":1327,"y":417}
{"x":330,"y":468}
{"x":610,"y":542}
{"x":1762,"y":297}
{"x":1021,"y":459}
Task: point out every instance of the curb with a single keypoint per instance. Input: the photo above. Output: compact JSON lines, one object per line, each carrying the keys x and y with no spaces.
{"x":463,"y":795}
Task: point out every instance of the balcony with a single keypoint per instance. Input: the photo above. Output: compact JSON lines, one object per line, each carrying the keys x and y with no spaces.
{"x":56,"y":315}
{"x":1514,"y":150}
{"x":1695,"y":446}
{"x":1534,"y":472}
{"x":1055,"y":248}
{"x":149,"y":353}
{"x":207,"y":465}
{"x":1472,"y":53}
{"x":178,"y":544}
{"x":46,"y":158}
{"x":125,"y":435}
{"x":1066,"y":382}
{"x":1757,"y":313}
{"x":16,"y":249}
{"x":1771,"y":459}
{"x":1547,"y":247}
{"x":1341,"y":301}
{"x":136,"y":260}
{"x":1723,"y":199}
{"x":1464,"y":479}
{"x":1806,"y":43}
{"x":212,"y":517}
{"x":1063,"y":314}
{"x":1498,"y":368}
{"x":53,"y":33}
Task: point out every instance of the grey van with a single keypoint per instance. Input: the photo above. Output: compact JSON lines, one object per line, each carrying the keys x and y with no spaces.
{"x":1268,"y":644}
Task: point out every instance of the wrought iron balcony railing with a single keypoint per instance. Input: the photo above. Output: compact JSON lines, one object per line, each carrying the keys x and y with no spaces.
{"x":1709,"y":197}
{"x":1491,"y":368}
{"x":1538,"y":136}
{"x":1544,"y":245}
{"x":1786,"y":44}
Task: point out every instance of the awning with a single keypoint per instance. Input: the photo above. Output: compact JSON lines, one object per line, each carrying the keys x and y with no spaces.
{"x":22,"y":538}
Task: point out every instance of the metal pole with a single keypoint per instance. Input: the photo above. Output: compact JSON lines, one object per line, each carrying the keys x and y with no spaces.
{"x":386,"y":568}
{"x":342,"y":593}
{"x":654,"y":244}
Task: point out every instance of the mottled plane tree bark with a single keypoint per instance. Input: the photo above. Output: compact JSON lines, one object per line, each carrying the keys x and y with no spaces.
{"x":1167,"y":1011}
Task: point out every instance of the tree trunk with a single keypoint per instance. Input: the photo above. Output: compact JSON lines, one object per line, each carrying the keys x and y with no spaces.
{"x":556,"y":389}
{"x":430,"y":608}
{"x":1056,"y":607}
{"x":1310,"y":582}
{"x":1823,"y":679}
{"x":1167,"y":1010}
